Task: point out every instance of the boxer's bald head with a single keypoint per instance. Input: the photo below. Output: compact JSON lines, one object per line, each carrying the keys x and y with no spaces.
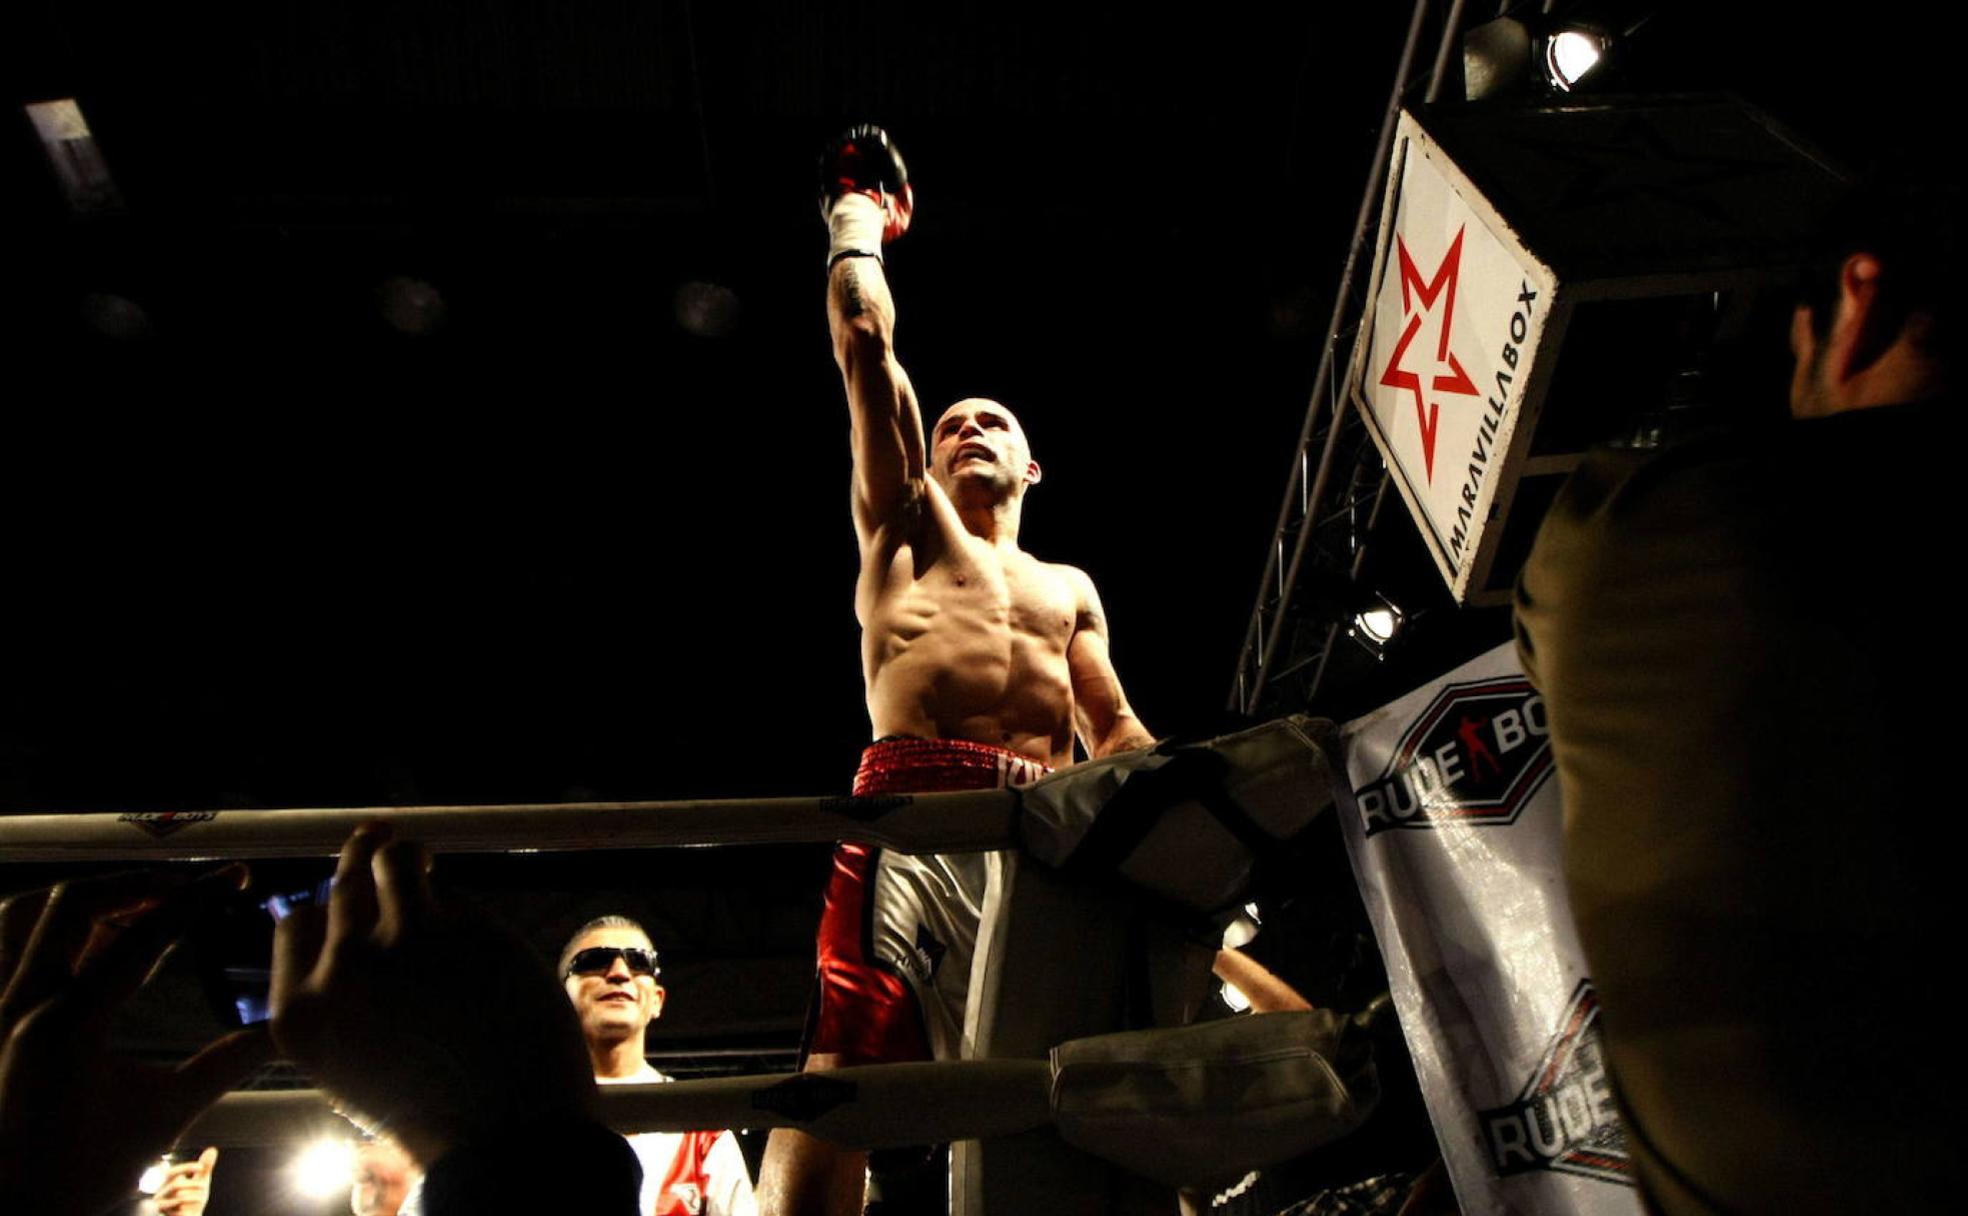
{"x":977,"y":448}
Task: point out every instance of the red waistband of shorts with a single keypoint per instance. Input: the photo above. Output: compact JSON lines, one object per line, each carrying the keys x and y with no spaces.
{"x":923,"y":766}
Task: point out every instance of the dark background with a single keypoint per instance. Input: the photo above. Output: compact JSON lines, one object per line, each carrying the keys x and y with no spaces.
{"x":278,"y":552}
{"x":266,"y":549}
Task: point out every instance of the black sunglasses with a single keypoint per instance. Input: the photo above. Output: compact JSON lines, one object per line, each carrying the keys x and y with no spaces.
{"x":596,"y":960}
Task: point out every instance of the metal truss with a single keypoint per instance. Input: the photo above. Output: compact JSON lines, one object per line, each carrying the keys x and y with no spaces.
{"x":1337,"y":486}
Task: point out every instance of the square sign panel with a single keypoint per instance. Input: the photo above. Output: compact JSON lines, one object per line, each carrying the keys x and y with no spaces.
{"x":1509,"y":235}
{"x":1450,"y":344}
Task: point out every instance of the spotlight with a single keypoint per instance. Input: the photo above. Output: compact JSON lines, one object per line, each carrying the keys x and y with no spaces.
{"x":1376,"y":625}
{"x":1234,"y":998}
{"x":1239,"y":932}
{"x":1497,"y":56}
{"x":1570,"y":54}
{"x":153,"y":1177}
{"x":1337,"y":599}
{"x":323,"y":1169}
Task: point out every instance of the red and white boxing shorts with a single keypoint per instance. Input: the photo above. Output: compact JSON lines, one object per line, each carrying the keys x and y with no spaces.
{"x":898,"y":933}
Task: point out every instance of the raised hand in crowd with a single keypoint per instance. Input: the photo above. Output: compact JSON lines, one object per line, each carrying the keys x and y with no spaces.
{"x":187,"y":1186}
{"x":426,"y":1020}
{"x":78,"y":1123}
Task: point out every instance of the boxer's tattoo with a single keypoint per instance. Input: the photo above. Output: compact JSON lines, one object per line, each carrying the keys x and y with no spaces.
{"x":852,"y":303}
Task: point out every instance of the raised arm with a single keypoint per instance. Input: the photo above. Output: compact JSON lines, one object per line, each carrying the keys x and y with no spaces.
{"x":1101,"y":715}
{"x":868,"y":202}
{"x":885,"y":423}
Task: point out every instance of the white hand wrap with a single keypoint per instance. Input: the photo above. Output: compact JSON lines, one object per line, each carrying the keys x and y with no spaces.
{"x":854,"y":228}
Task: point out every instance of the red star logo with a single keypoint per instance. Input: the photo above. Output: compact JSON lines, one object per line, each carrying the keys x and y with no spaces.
{"x":1455,"y":380}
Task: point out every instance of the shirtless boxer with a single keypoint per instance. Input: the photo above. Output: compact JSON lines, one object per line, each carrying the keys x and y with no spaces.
{"x":982,"y":663}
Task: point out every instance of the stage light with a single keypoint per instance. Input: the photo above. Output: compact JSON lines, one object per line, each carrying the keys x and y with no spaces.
{"x":153,"y":1177}
{"x":1238,"y":933}
{"x":1570,"y":54}
{"x":1497,"y":56}
{"x":1235,"y":998}
{"x":323,"y":1169}
{"x":1378,"y":624}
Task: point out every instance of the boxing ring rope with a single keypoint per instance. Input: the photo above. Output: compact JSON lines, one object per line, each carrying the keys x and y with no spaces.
{"x":1179,"y":1106}
{"x":1094,"y":1096}
{"x":961,"y":822}
{"x":1058,"y":1090}
{"x":870,"y":1106}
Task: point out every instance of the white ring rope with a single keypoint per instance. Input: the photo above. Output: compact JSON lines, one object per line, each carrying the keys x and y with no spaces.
{"x":960,"y":822}
{"x":871,"y":1106}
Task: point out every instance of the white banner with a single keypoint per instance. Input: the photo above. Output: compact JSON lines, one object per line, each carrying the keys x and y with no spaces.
{"x":1452,"y":821}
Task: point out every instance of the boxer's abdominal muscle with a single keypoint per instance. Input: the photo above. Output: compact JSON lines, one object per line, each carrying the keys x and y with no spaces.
{"x":973,"y":649}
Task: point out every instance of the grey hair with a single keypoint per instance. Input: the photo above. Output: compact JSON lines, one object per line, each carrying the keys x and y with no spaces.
{"x":600,"y":922}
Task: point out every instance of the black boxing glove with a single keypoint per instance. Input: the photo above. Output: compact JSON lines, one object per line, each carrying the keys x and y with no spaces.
{"x":865,"y":195}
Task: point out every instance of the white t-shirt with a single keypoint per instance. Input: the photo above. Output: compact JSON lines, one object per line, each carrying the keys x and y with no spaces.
{"x":689,"y":1173}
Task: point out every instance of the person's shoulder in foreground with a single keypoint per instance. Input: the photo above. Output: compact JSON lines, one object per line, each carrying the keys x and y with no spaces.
{"x":1736,"y":691}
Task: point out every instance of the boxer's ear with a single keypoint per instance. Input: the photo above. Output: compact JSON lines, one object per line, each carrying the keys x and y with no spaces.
{"x":1033,"y":472}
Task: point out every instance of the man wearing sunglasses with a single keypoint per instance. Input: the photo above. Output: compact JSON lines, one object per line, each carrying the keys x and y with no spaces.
{"x":610,"y":969}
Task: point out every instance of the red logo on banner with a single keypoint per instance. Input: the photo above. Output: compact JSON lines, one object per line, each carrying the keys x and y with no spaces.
{"x":1475,"y":755}
{"x":1564,"y":1119}
{"x":1418,"y":299}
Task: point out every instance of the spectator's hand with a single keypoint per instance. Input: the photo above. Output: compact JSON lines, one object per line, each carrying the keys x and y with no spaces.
{"x":423,"y":1020}
{"x":78,"y":1124}
{"x":187,"y":1186}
